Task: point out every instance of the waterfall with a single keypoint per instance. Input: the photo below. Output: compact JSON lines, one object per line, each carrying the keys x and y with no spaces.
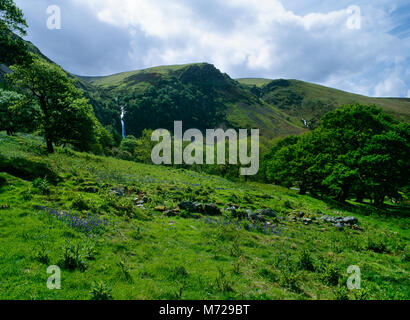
{"x":122,"y":122}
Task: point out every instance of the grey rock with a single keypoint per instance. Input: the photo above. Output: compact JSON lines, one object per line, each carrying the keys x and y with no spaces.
{"x":118,"y":192}
{"x":307,"y":221}
{"x":350,"y":220}
{"x":339,"y":226}
{"x":267,"y":212}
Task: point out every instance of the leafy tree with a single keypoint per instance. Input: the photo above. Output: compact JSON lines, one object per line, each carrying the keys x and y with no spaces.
{"x":356,"y":151}
{"x":17,"y":112}
{"x":12,"y":48}
{"x":66,"y":116}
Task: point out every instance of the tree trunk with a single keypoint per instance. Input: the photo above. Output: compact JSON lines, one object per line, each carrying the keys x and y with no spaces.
{"x":50,"y":148}
{"x":302,"y":189}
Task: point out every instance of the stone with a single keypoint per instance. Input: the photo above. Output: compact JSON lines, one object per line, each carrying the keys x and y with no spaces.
{"x":350,"y":220}
{"x":306,"y":221}
{"x":160,"y":208}
{"x":191,"y":207}
{"x":187,"y":205}
{"x":117,"y":191}
{"x":339,"y":226}
{"x":212,"y":210}
{"x":267,"y":212}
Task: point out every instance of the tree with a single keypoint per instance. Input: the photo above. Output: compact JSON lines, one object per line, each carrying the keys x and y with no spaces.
{"x":12,"y":48}
{"x":17,"y":112}
{"x":66,"y":116}
{"x":356,"y":151}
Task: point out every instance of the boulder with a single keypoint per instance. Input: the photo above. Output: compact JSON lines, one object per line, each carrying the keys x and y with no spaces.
{"x":267,"y":213}
{"x":187,"y":205}
{"x":350,"y":220}
{"x":118,"y":192}
{"x":212,"y":210}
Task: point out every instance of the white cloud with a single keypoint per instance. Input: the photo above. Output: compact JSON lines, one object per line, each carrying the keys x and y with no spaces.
{"x":261,"y":38}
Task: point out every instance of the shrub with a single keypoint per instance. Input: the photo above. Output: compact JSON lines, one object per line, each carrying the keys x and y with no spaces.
{"x":74,"y":258}
{"x":81,"y":204}
{"x":124,"y":268}
{"x":305,"y":261}
{"x":222,"y":282}
{"x":330,"y":274}
{"x":290,"y":280}
{"x":42,"y":185}
{"x":377,"y":244}
{"x":100,"y":291}
{"x":41,"y":254}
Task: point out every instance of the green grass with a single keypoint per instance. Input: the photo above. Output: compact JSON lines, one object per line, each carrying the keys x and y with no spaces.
{"x":259,"y":82}
{"x":146,"y":254}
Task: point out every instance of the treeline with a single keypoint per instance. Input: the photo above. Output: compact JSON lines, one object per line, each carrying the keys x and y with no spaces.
{"x":356,"y":152}
{"x":39,"y":95}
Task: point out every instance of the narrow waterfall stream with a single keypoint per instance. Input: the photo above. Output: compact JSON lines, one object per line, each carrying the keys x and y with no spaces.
{"x":122,"y":122}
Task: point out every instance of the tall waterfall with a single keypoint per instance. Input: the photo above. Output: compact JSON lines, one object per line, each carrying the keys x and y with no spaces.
{"x":122,"y":121}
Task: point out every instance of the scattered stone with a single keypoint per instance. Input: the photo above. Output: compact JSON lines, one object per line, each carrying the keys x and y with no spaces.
{"x":306,"y":221}
{"x":160,"y":208}
{"x":188,"y":206}
{"x":232,"y":210}
{"x":118,"y":192}
{"x":267,"y":213}
{"x":300,"y":214}
{"x":212,"y":210}
{"x":350,"y":220}
{"x":339,"y":226}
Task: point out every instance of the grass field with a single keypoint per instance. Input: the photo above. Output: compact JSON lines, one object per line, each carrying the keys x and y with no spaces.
{"x":77,"y":211}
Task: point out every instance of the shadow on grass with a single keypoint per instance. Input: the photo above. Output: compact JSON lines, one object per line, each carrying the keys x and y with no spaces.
{"x":367,"y":209}
{"x":27,"y":169}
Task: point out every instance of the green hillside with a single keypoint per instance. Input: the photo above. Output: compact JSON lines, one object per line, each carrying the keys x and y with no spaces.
{"x":303,"y":100}
{"x":118,"y":229}
{"x":277,"y":107}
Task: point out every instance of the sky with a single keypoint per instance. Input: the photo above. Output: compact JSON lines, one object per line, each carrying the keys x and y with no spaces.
{"x":359,"y":46}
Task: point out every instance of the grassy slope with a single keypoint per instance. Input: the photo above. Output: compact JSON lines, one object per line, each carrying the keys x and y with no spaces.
{"x":276,"y":110}
{"x":161,"y":253}
{"x":397,"y":107}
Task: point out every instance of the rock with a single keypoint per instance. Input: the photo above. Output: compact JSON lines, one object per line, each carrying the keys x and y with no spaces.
{"x":160,"y":208}
{"x":118,"y":192}
{"x":192,"y":207}
{"x":255,"y":216}
{"x":350,"y":220}
{"x":187,"y":205}
{"x":199,"y":208}
{"x":306,"y":221}
{"x":300,"y":214}
{"x":267,"y":213}
{"x":212,"y":210}
{"x":232,"y":210}
{"x":339,"y":226}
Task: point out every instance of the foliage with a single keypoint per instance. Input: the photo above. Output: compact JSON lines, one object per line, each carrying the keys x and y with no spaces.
{"x":17,"y":113}
{"x":60,"y":102}
{"x":100,"y":291}
{"x":13,"y":48}
{"x":356,"y":151}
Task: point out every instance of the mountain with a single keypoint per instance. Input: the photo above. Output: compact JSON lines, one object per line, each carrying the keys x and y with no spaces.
{"x":203,"y":97}
{"x":277,"y":107}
